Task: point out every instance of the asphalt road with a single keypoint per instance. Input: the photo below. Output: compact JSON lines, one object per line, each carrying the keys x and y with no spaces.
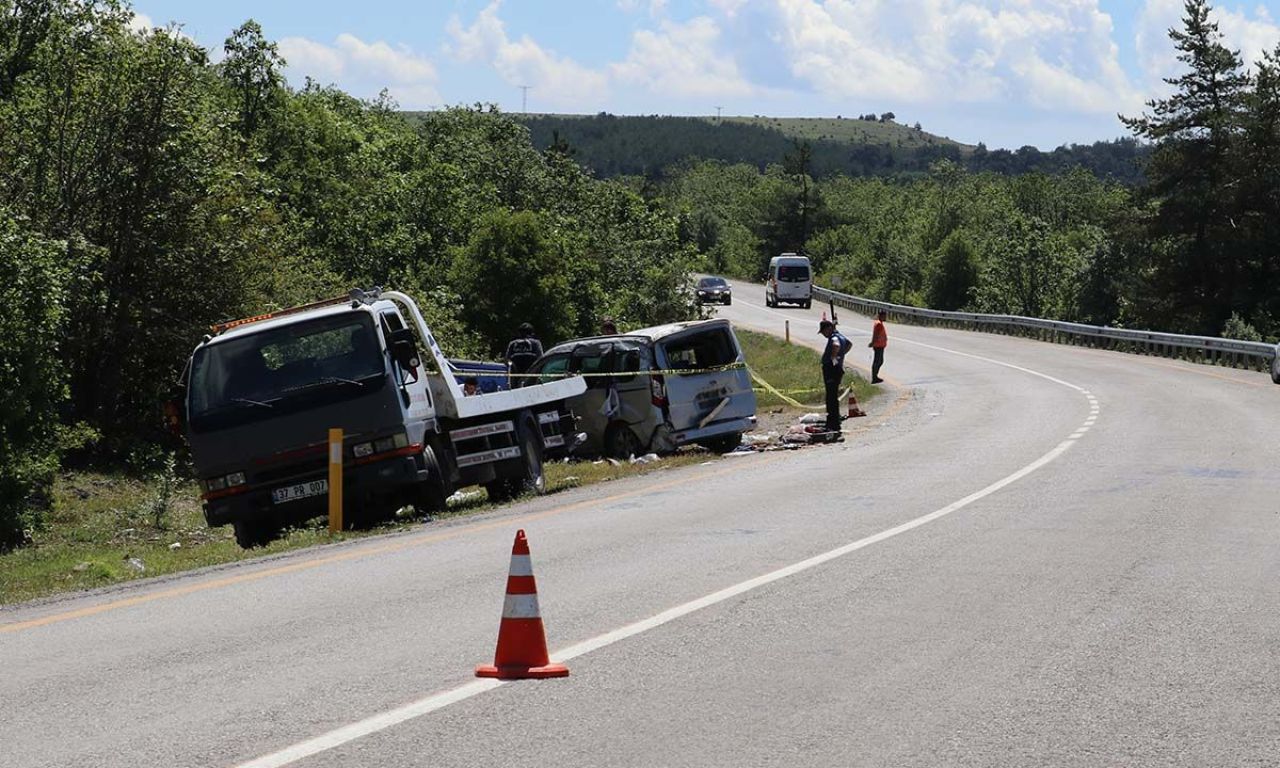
{"x":1028,"y":555}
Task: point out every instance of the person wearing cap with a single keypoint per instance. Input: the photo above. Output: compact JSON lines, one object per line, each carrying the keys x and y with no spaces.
{"x":521,"y":354}
{"x":833,"y":370}
{"x":879,"y":340}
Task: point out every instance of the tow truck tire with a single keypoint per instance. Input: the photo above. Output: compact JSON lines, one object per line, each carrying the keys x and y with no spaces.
{"x":255,"y":533}
{"x":433,"y":495}
{"x":1275,"y":367}
{"x":531,"y":477}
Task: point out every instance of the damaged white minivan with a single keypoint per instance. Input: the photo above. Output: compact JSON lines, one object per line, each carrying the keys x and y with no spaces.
{"x":656,"y":389}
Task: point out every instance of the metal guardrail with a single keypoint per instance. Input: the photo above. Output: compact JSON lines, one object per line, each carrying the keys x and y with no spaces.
{"x":1253,"y":355}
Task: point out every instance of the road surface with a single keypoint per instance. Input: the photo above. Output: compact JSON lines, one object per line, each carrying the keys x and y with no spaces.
{"x":1029,"y":555}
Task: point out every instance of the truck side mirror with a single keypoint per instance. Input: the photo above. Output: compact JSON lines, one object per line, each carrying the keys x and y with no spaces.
{"x":404,"y":349}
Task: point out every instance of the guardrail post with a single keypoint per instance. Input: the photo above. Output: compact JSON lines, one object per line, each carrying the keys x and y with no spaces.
{"x":335,"y":480}
{"x":788,"y":322}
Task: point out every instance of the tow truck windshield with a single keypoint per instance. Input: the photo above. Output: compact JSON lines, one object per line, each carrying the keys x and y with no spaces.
{"x":279,"y":370}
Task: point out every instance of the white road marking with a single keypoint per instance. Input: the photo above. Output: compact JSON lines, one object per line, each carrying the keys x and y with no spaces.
{"x":434,"y":702}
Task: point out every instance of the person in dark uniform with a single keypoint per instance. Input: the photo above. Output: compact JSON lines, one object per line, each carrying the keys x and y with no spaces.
{"x":833,"y":371}
{"x":521,"y":354}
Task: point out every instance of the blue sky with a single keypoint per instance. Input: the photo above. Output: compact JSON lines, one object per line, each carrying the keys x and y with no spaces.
{"x":1006,"y":72}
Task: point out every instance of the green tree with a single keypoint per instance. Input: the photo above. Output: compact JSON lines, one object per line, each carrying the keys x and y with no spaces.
{"x":514,"y":271}
{"x":34,"y":276}
{"x":1192,"y":174}
{"x":252,"y":70}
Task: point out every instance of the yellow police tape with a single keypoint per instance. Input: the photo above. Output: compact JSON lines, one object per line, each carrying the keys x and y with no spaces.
{"x":764,"y":385}
{"x":780,"y":395}
{"x":613,"y":374}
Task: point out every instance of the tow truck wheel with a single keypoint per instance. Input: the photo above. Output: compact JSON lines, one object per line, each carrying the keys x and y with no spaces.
{"x":433,"y":495}
{"x":255,"y":533}
{"x":1275,"y":368}
{"x":532,"y":476}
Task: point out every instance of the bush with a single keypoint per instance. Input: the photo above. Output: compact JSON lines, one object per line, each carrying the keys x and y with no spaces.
{"x":33,"y":277}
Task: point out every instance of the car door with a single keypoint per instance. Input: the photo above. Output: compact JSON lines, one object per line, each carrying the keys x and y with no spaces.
{"x":695,"y":384}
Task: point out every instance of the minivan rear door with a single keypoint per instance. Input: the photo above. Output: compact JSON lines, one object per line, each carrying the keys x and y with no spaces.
{"x":694,"y":396}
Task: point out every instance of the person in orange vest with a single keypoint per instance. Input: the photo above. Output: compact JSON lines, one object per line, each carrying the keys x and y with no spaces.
{"x":879,"y":340}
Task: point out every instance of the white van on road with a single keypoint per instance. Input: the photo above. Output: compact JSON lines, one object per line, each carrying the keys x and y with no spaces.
{"x":790,"y":280}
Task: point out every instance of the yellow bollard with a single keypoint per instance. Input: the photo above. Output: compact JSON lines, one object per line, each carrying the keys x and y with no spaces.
{"x":335,"y":480}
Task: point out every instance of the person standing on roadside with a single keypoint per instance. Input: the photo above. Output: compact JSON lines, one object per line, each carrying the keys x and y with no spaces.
{"x":833,"y":370}
{"x":521,"y":354}
{"x":879,"y":340}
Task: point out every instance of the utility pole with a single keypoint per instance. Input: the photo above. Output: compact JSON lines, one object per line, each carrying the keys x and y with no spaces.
{"x":718,"y":113}
{"x":524,"y":99}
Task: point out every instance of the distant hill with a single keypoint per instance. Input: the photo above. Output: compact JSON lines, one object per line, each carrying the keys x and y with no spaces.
{"x":867,"y":129}
{"x":611,"y":145}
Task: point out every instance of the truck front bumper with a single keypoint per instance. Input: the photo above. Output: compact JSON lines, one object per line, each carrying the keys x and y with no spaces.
{"x":379,"y":482}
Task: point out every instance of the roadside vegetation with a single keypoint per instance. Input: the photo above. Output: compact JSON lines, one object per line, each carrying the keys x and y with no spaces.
{"x":794,"y":370}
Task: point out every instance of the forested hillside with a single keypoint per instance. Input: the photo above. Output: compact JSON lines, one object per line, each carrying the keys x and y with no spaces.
{"x":610,"y":146}
{"x":146,"y":193}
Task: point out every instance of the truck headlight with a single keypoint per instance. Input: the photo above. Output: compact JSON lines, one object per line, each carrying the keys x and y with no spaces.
{"x":234,"y":479}
{"x":382,"y":445}
{"x":360,"y":450}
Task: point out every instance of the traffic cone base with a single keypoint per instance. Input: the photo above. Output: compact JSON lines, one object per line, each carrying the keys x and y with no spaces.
{"x":522,"y":642}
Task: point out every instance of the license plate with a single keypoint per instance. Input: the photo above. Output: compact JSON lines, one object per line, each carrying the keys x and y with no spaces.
{"x":299,"y":491}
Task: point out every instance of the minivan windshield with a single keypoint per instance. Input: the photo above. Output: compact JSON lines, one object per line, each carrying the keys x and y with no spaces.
{"x":793,"y":273}
{"x":284,"y":369}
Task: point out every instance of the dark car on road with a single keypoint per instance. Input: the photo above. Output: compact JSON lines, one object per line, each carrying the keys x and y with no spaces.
{"x":714,"y":290}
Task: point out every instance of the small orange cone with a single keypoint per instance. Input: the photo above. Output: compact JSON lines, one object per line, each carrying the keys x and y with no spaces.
{"x":854,"y":410}
{"x":522,"y":643}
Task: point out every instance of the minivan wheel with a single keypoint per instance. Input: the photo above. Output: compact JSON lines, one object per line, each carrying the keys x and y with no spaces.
{"x":723,"y":443}
{"x":807,"y":303}
{"x":621,"y":443}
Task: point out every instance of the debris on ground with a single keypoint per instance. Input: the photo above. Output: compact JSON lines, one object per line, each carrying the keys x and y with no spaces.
{"x":176,"y":545}
{"x":462,"y":496}
{"x":136,"y":564}
{"x":648,"y":458}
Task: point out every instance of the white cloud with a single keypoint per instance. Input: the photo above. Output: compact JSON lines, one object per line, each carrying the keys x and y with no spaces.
{"x":141,"y":22}
{"x":365,"y":68}
{"x":656,"y":8}
{"x":1253,"y":33}
{"x":558,"y":80}
{"x":682,"y":60}
{"x":729,"y":8}
{"x":1059,"y":55}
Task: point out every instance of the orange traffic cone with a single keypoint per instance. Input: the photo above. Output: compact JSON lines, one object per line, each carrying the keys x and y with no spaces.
{"x":854,"y":410}
{"x":522,"y":643}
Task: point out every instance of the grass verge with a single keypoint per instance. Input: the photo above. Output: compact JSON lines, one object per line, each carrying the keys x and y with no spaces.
{"x":793,"y":369}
